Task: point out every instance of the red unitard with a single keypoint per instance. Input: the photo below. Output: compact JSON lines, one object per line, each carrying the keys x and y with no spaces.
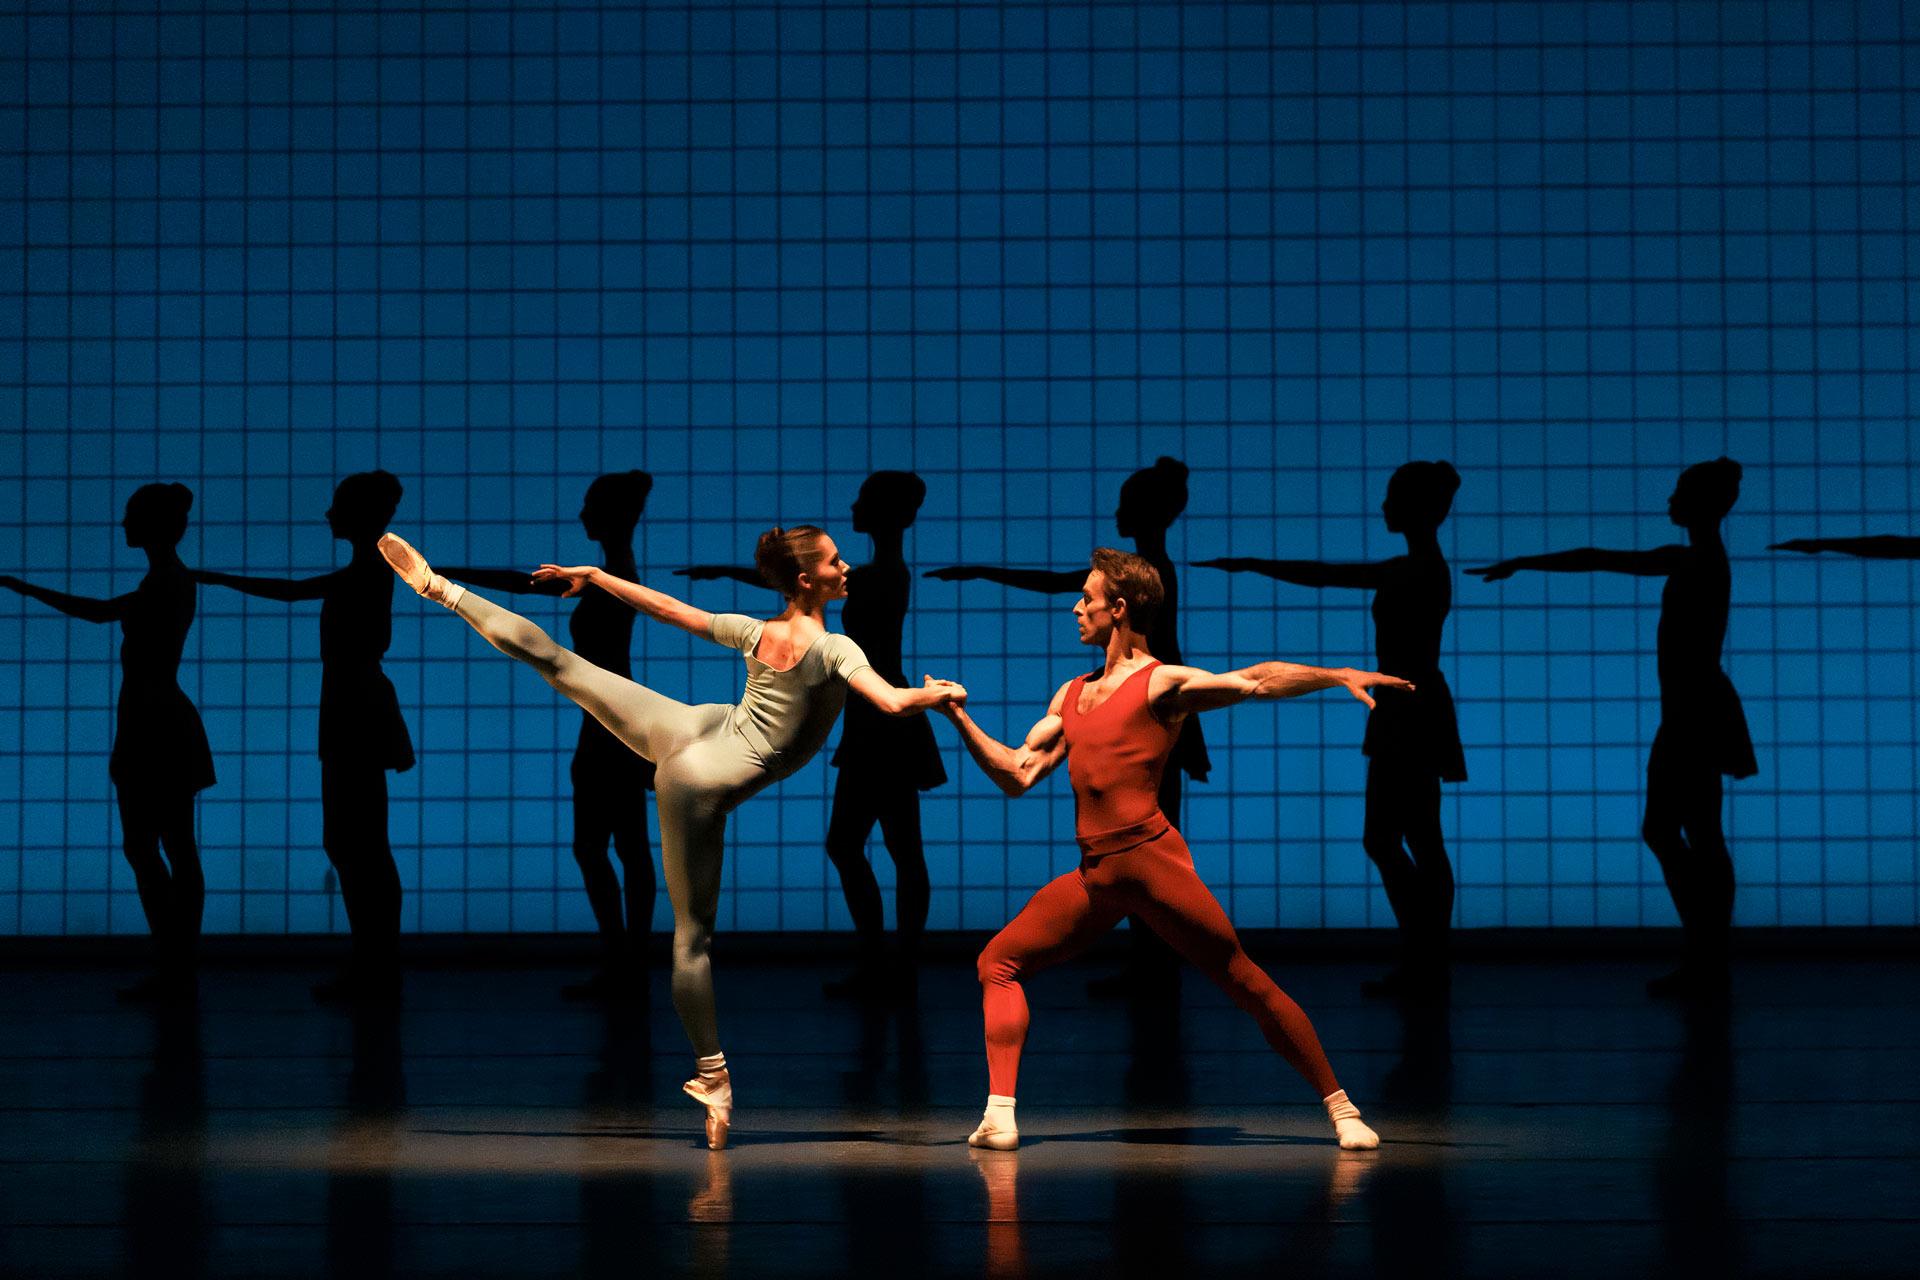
{"x":1132,"y":862}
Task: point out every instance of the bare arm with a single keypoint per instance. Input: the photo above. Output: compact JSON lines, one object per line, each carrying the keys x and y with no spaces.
{"x":657,"y":605}
{"x":1305,"y":573}
{"x":513,"y":581}
{"x":1049,"y":581}
{"x":1656,"y":563}
{"x":1015,"y":770}
{"x":287,"y":590}
{"x":85,"y":608}
{"x":1885,"y":546}
{"x":896,"y":701}
{"x":1181,"y":691}
{"x":708,"y":572}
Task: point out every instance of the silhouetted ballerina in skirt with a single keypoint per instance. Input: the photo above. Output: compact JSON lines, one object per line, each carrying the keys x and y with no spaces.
{"x":885,"y":762}
{"x":160,"y":757}
{"x":1151,"y":499}
{"x":607,"y":775}
{"x":1413,"y":739}
{"x":362,"y":733}
{"x":1703,"y":730}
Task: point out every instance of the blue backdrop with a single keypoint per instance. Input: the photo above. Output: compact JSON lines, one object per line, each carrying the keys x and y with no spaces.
{"x":1021,"y":250}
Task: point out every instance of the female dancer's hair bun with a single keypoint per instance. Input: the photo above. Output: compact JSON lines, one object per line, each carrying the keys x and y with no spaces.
{"x":1717,"y":483}
{"x":1158,"y":492}
{"x":1424,"y":491}
{"x":782,"y":555}
{"x":374,"y":494}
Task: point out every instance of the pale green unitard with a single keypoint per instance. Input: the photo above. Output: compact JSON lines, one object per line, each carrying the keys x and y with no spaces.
{"x":709,"y":758}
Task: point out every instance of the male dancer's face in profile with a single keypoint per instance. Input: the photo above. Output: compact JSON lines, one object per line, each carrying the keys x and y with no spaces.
{"x":1092,"y":612}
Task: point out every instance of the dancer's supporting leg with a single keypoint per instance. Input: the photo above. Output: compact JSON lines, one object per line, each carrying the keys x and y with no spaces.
{"x":1402,"y":837}
{"x":1682,"y":828}
{"x":173,"y":889}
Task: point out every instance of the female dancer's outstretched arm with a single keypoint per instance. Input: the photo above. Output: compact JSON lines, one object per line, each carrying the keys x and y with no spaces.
{"x":657,"y":605}
{"x":1883,"y":546}
{"x":1305,"y":573}
{"x":1657,"y":563}
{"x":85,"y":608}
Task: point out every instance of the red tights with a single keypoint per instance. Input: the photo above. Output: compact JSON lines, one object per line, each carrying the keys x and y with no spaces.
{"x":1154,"y":882}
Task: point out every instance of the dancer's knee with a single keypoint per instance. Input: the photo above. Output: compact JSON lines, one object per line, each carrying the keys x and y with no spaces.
{"x":997,"y":967}
{"x":1383,"y":846}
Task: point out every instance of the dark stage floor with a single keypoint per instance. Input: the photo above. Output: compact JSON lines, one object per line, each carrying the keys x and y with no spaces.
{"x":1552,"y":1121}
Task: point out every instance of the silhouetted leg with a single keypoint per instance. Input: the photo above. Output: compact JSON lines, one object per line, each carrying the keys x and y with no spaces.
{"x":353,"y":815}
{"x":1710,"y":918}
{"x":592,"y":833}
{"x":1420,"y":803}
{"x":1383,"y":837}
{"x":848,"y":828}
{"x":900,"y":827}
{"x":140,"y":843}
{"x":189,"y":882}
{"x":172,"y":889}
{"x":635,"y":851}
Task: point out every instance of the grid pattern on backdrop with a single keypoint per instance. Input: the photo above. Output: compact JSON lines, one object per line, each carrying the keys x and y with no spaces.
{"x":1021,"y":250}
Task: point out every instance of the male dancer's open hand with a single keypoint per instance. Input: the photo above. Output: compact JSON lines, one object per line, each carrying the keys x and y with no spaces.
{"x":1358,"y":682}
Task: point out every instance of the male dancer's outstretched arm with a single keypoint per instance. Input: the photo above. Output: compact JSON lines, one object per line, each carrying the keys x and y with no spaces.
{"x":1014,"y":770}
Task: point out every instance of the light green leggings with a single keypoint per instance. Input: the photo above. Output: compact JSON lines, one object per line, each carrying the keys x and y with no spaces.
{"x":703,"y":769}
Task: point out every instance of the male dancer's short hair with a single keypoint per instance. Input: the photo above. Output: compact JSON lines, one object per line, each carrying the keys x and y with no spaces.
{"x":1133,"y":579}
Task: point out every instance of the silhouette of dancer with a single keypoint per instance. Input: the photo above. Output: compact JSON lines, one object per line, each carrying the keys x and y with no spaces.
{"x":1116,"y":730}
{"x":1151,"y":499}
{"x":1413,"y":739}
{"x":1703,"y":730}
{"x":712,"y":757}
{"x":362,"y":733}
{"x":884,"y":762}
{"x":607,"y":776}
{"x":160,"y":758}
{"x":1880,"y":546}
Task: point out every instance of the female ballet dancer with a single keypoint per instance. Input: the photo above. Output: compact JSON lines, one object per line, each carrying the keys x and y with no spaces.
{"x":1116,"y":732}
{"x":1703,"y":730}
{"x":1412,"y":743}
{"x":1151,"y":499}
{"x":606,"y":775}
{"x":884,"y":764}
{"x":708,"y":758}
{"x":362,"y":733}
{"x":160,"y":758}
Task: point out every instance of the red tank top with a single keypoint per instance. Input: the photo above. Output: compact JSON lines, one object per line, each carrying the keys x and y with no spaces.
{"x":1115,"y":756}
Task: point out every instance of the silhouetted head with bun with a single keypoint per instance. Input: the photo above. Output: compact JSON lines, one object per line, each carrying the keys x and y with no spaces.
{"x":363,"y":506}
{"x":888,"y":502}
{"x":1151,"y":499}
{"x":613,"y":505}
{"x":802,"y":564}
{"x":1419,"y":496}
{"x":1704,"y":494}
{"x":156,"y":517}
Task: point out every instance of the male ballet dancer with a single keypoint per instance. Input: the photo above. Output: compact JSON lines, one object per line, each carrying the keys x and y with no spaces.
{"x":1115,"y":728}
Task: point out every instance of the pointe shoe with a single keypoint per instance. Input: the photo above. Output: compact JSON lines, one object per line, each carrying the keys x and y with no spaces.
{"x":992,"y":1138}
{"x":716,"y":1095}
{"x":412,"y":567}
{"x":1353,"y":1132}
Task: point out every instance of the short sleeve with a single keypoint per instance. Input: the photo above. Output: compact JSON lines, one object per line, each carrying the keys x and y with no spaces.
{"x":736,"y":631}
{"x":843,"y":657}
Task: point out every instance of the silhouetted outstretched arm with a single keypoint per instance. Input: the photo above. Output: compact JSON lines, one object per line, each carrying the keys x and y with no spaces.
{"x":513,"y":581}
{"x":85,"y":608}
{"x":1305,"y":573}
{"x":657,"y":605}
{"x":1050,"y":581}
{"x":1657,"y":563}
{"x":709,"y":572}
{"x":283,"y":589}
{"x":1884,"y":546}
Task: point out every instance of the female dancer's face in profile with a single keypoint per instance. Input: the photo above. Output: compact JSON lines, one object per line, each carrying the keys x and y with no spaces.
{"x":828,"y":572}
